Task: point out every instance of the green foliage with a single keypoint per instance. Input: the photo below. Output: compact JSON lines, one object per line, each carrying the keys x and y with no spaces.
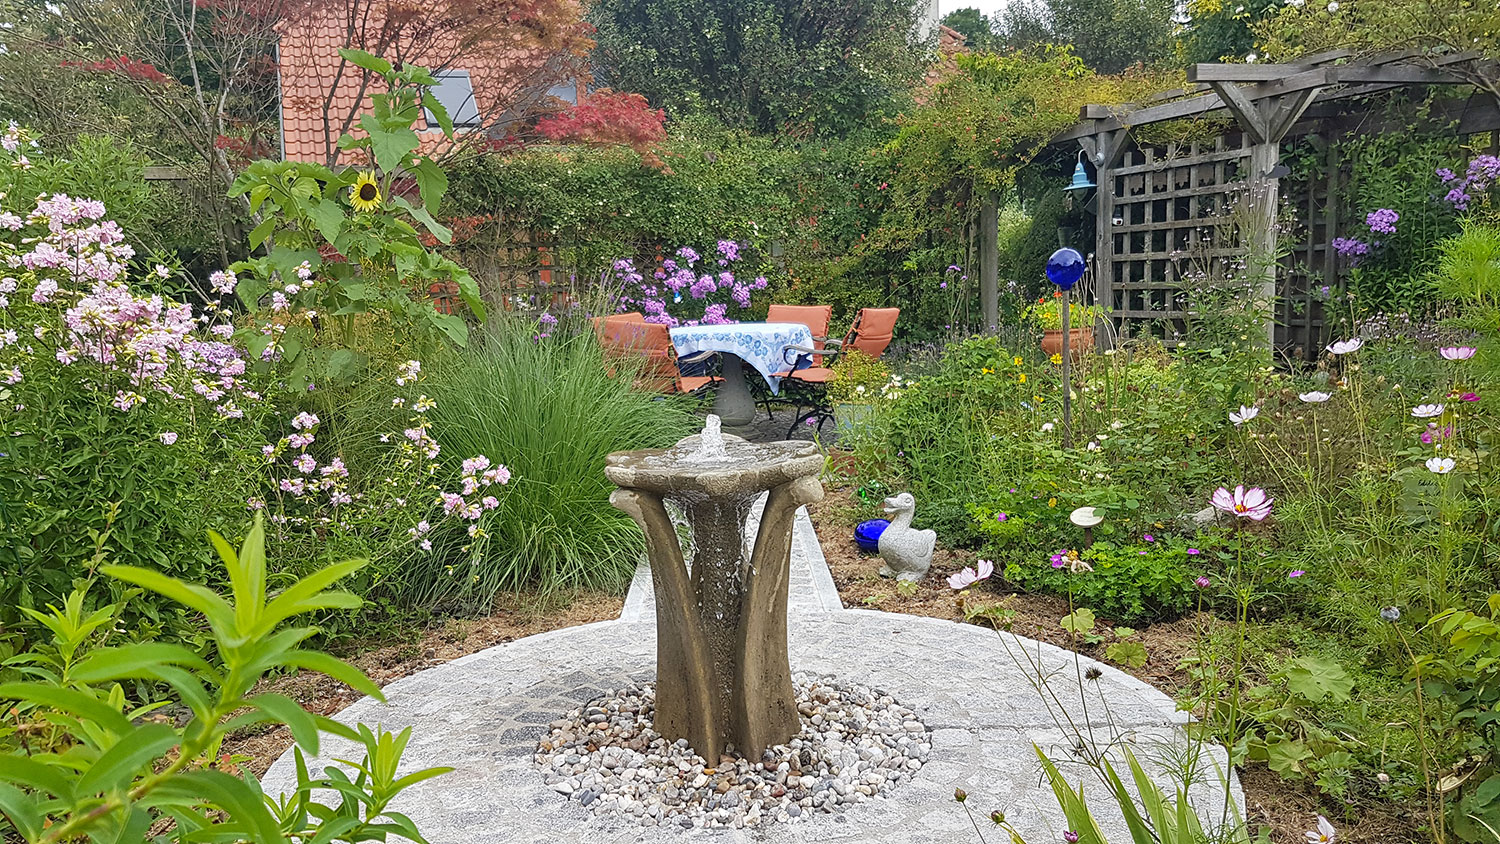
{"x":794,"y":67}
{"x":1125,"y":584}
{"x":1151,"y":815}
{"x":1110,"y":36}
{"x":859,"y":379}
{"x":1220,"y":31}
{"x":555,"y":409}
{"x":386,"y":266}
{"x":81,"y":759}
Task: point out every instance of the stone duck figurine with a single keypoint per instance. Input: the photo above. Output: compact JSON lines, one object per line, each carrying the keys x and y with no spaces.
{"x":907,"y":553}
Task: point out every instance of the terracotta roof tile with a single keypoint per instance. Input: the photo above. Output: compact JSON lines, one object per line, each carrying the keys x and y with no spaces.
{"x":309,"y":66}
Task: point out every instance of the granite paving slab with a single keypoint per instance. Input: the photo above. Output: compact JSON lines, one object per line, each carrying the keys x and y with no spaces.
{"x":988,"y":697}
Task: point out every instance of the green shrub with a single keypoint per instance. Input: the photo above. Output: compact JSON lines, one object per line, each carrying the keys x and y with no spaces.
{"x":551,"y":408}
{"x":1133,"y":583}
{"x":79,"y":760}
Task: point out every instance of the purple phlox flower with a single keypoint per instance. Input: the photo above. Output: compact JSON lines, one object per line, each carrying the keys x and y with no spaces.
{"x":969,"y":576}
{"x":1295,"y":573}
{"x":1382,"y":220}
{"x":1246,"y":504}
{"x":1000,"y":517}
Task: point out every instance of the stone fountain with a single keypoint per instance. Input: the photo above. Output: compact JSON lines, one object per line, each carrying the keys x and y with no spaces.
{"x":722,"y":672}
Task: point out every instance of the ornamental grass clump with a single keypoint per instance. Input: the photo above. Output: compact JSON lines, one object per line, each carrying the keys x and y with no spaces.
{"x":554,"y":408}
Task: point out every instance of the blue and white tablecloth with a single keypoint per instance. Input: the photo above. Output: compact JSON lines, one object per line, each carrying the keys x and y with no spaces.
{"x":760,"y":344}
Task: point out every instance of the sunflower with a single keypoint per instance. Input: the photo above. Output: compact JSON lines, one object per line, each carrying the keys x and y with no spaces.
{"x":366,"y":193}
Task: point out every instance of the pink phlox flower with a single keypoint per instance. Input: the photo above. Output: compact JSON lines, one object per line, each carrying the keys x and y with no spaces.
{"x":1247,"y":504}
{"x":452,"y":502}
{"x":168,"y":437}
{"x":490,"y":502}
{"x":300,"y":440}
{"x":305,"y":463}
{"x":304,"y":421}
{"x":497,"y":475}
{"x":475,"y":465}
{"x":335,"y":467}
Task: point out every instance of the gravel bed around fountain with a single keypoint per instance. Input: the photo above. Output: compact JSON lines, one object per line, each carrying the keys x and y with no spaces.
{"x":856,"y":744}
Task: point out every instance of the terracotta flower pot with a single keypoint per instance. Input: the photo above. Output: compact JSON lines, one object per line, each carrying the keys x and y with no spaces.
{"x":1080,"y":340}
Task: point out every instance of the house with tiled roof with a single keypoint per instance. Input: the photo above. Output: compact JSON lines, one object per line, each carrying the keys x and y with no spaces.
{"x":489,"y":75}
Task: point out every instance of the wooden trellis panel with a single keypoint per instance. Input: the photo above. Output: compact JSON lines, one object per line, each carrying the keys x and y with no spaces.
{"x":1166,"y":211}
{"x":519,"y":271}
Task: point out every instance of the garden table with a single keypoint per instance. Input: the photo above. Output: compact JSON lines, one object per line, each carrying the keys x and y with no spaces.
{"x":761,"y":344}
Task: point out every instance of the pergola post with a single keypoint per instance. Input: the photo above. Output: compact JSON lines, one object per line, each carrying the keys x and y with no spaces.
{"x":1104,"y":149}
{"x":989,"y":262}
{"x":1266,"y":122}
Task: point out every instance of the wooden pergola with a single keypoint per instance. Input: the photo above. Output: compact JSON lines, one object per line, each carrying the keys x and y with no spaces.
{"x":1156,"y":203}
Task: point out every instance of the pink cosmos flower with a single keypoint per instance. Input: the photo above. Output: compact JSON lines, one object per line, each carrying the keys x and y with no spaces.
{"x":1457,"y":352}
{"x":970,"y":576}
{"x":1245,"y":504}
{"x":1295,"y":573}
{"x":1202,"y":582}
{"x":1469,"y":397}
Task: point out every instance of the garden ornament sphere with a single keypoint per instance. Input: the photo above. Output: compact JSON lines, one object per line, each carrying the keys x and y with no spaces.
{"x":1065,"y":267}
{"x":867,"y":534}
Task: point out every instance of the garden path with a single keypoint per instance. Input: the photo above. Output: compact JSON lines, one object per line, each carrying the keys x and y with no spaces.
{"x":975,"y":689}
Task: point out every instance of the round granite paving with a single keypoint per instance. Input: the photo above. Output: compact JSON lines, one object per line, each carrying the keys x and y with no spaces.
{"x":483,"y":714}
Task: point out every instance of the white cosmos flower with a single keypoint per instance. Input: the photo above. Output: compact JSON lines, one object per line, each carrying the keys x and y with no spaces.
{"x":1427,"y":411}
{"x":1245,"y":414}
{"x":1440,"y":465}
{"x":1315,"y":397}
{"x":1344,"y":347}
{"x":1092,"y":446}
{"x":1324,"y":834}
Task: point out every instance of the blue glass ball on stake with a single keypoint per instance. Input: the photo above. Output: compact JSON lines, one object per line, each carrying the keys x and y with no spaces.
{"x":1065,"y":267}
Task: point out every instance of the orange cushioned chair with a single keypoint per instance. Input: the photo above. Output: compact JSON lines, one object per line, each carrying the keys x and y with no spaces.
{"x":647,"y":345}
{"x":807,"y":387}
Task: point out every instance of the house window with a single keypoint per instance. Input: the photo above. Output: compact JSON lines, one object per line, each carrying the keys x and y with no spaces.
{"x":565,"y":91}
{"x":456,"y":92}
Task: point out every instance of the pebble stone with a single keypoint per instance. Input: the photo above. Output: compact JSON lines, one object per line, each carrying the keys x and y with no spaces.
{"x":856,"y":744}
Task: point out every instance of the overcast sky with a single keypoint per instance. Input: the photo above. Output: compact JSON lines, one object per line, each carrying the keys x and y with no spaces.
{"x":989,"y":7}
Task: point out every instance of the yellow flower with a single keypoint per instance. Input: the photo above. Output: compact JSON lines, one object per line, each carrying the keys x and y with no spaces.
{"x":1023,"y":378}
{"x":366,"y":193}
{"x":1057,"y":357}
{"x":1017,"y":361}
{"x":987,"y":371}
{"x":1037,"y":399}
{"x":1052,"y":502}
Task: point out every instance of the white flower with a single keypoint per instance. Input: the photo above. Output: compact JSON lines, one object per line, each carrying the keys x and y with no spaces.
{"x":1245,"y":414}
{"x":1344,"y":347}
{"x":1116,"y":425}
{"x":1439,"y":466}
{"x":1325,"y":833}
{"x":1315,"y":397}
{"x":1047,"y":427}
{"x":1092,"y":446}
{"x":1333,"y":7}
{"x":1427,"y":411}
{"x":860,"y":389}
